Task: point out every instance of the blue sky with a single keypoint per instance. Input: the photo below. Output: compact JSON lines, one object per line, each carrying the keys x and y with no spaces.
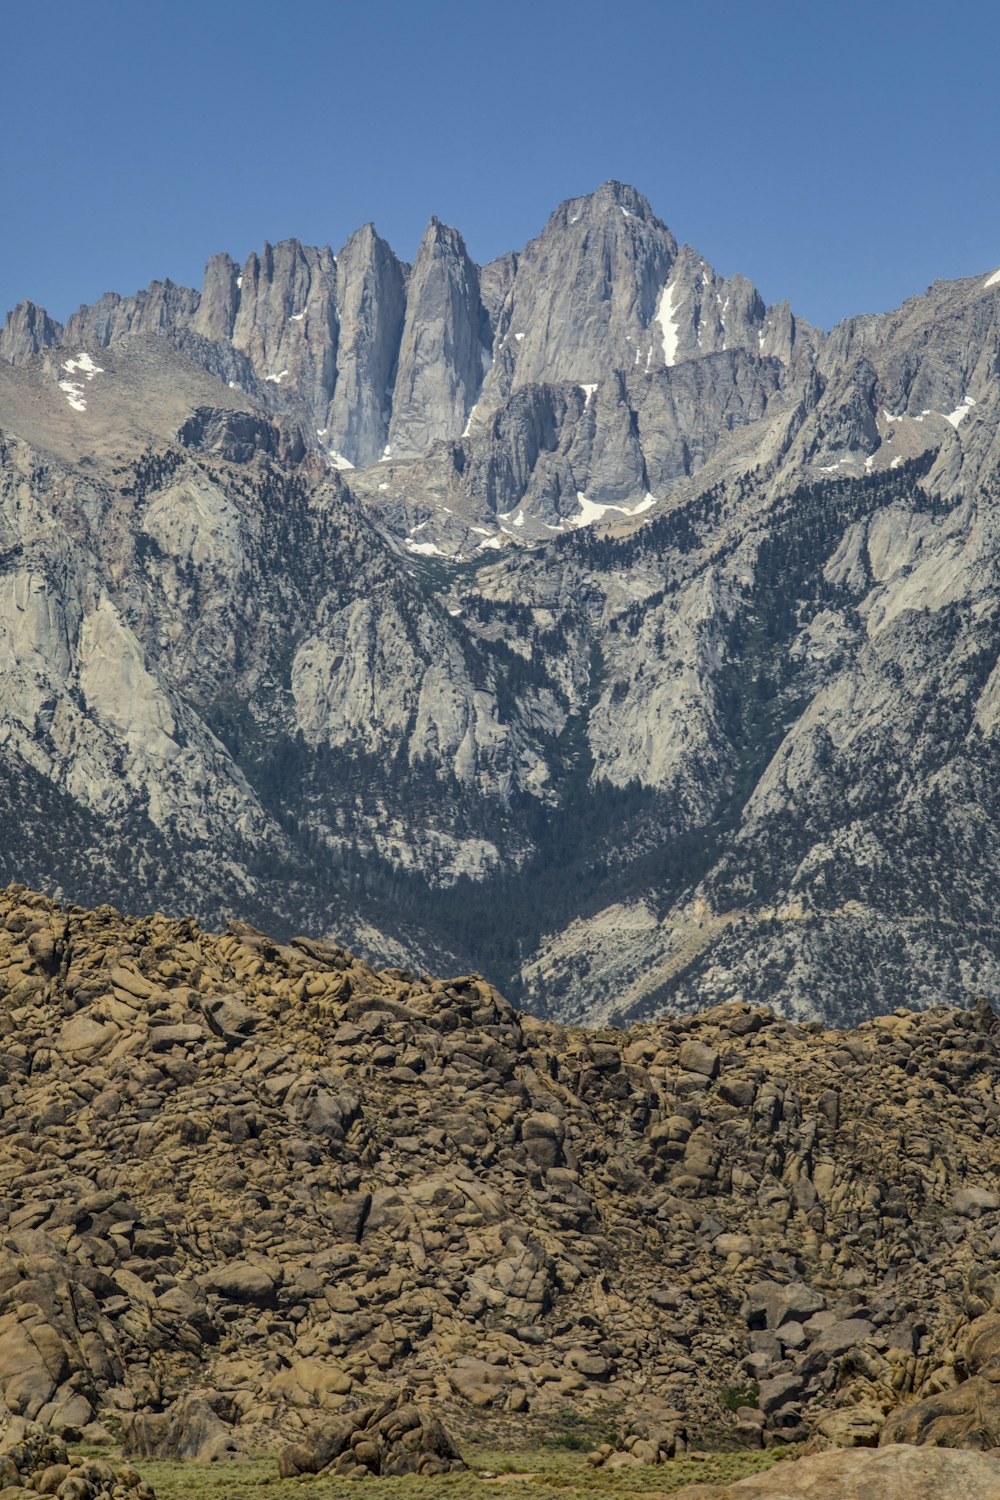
{"x":842,"y":156}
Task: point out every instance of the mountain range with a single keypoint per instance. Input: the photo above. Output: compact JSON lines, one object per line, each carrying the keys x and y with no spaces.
{"x":576,"y":618}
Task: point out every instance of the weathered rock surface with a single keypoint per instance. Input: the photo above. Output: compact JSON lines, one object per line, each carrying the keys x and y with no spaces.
{"x":653,"y":1434}
{"x":371,"y":304}
{"x":35,"y":1462}
{"x":444,"y":350}
{"x":395,"y":1437}
{"x":189,"y":1429}
{"x":966,"y":1415}
{"x":896,"y":1473}
{"x":249,"y":1188}
{"x":26,"y":331}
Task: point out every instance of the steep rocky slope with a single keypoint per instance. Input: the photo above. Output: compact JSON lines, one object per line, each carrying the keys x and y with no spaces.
{"x":576,"y":616}
{"x":210,"y":655}
{"x":270,"y":1181}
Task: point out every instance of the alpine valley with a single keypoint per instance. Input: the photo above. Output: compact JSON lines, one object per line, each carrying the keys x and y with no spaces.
{"x":577,"y":619}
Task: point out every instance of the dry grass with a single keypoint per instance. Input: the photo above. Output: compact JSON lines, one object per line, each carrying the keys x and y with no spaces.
{"x":494,"y":1474}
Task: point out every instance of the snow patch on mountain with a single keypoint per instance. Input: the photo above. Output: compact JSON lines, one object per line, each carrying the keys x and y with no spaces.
{"x":666,"y":316}
{"x":590,"y":511}
{"x":961,"y":411}
{"x":73,"y":389}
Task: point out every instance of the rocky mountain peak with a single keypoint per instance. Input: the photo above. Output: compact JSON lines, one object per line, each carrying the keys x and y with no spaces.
{"x":286,"y":321}
{"x":610,"y":198}
{"x":27,"y":329}
{"x":440,"y":239}
{"x":367,"y":235}
{"x":371,"y":304}
{"x":161,"y":309}
{"x":584,"y":294}
{"x":444,"y":351}
{"x":220,"y":299}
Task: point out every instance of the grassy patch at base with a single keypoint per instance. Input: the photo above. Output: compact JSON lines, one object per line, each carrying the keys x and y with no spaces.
{"x":521,"y":1474}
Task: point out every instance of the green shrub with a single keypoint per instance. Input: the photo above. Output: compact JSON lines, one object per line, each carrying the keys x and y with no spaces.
{"x":733,"y":1397}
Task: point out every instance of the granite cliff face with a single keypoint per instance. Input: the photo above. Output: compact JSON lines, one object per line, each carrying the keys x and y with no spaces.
{"x":576,"y":616}
{"x":444,"y":350}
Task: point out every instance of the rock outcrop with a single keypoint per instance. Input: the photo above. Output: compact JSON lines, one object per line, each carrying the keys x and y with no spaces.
{"x":395,"y":1437}
{"x":444,"y":350}
{"x":35,"y":1462}
{"x":371,"y":306}
{"x":966,"y":1415}
{"x":188,"y":1429}
{"x":26,"y":331}
{"x":896,"y":1473}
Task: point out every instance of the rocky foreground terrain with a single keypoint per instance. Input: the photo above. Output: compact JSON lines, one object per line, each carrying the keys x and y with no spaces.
{"x":577,"y":618}
{"x":251,"y":1191}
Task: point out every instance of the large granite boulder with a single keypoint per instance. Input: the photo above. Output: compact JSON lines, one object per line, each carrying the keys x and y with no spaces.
{"x":34,"y":1461}
{"x":898,"y":1472}
{"x":968,"y":1414}
{"x":395,"y":1437}
{"x":190,"y":1428}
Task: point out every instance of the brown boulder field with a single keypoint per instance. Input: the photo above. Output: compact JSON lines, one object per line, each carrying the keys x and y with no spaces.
{"x":272,"y":1179}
